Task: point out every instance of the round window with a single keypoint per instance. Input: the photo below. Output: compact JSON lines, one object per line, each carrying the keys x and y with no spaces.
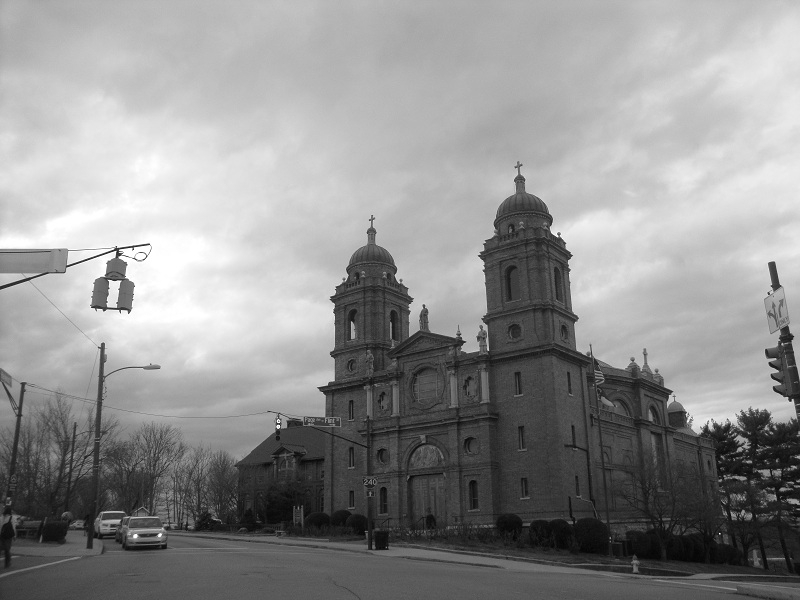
{"x":383,"y":456}
{"x":351,"y":365}
{"x":515,"y":332}
{"x":471,"y":445}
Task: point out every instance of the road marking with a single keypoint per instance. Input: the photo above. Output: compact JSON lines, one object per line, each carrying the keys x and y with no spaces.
{"x":39,"y":566}
{"x":695,"y":584}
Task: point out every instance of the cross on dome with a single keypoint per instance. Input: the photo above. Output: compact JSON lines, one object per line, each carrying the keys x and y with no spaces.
{"x":517,"y":167}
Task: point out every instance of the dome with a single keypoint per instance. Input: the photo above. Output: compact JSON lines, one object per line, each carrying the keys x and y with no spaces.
{"x":371,"y":253}
{"x":522,"y":202}
{"x":675,"y":407}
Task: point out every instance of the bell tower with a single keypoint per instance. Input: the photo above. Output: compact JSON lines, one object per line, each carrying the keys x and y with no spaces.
{"x":371,"y":309}
{"x":526,"y":270}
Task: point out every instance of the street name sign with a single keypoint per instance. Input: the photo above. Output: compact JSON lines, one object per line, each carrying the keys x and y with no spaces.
{"x":34,"y":261}
{"x":777,"y":310}
{"x":323,"y":421}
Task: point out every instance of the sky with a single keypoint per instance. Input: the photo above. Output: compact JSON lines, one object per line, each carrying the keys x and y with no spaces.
{"x":249,"y":142}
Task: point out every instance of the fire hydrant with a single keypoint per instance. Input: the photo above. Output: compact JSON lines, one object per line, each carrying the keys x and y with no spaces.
{"x":635,"y":564}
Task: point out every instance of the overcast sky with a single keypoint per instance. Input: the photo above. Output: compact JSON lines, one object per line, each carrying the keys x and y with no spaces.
{"x":249,"y":143}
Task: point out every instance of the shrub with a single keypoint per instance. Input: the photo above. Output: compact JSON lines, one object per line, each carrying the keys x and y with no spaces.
{"x":695,"y":550}
{"x":204,"y":522}
{"x":562,"y":533}
{"x":640,"y":544}
{"x":339,"y":518}
{"x":318,"y":520}
{"x":591,"y":535}
{"x":540,"y":533}
{"x":357,"y":522}
{"x":509,"y":524}
{"x":55,"y":531}
{"x":676,"y":548}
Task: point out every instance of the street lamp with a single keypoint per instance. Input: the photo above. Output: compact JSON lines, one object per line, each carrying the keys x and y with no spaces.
{"x":101,"y":378}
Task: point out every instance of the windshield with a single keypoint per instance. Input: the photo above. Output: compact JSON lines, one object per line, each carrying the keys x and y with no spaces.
{"x":112,"y":516}
{"x":144,"y":522}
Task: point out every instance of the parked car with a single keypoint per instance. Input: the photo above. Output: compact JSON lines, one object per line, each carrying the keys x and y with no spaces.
{"x":144,"y":531}
{"x":107,"y":522}
{"x":76,"y":524}
{"x":123,"y":524}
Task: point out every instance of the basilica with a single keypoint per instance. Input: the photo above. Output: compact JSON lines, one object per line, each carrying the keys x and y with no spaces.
{"x":528,"y":424}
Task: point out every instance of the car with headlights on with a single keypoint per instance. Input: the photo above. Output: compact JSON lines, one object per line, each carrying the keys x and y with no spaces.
{"x":144,"y":531}
{"x":107,"y":522}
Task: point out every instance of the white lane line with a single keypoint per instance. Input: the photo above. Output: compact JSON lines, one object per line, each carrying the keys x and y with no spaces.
{"x":695,"y":584}
{"x":38,"y":567}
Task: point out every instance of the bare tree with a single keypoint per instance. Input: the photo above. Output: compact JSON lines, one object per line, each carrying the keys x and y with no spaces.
{"x":222,"y":485}
{"x":160,"y":447}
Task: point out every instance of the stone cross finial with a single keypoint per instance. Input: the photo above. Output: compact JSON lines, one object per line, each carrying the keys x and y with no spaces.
{"x":517,"y":167}
{"x":371,"y":219}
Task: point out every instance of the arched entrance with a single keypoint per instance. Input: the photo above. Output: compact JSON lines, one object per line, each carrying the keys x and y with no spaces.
{"x":427,"y":486}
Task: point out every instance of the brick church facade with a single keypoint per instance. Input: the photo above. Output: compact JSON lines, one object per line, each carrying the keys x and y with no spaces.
{"x":515,"y":427}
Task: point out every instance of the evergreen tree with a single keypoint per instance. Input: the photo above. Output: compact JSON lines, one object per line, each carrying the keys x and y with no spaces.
{"x":752,"y":425}
{"x":781,"y":464}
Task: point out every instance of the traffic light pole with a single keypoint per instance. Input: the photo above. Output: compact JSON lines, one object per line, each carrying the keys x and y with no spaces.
{"x":785,"y":339}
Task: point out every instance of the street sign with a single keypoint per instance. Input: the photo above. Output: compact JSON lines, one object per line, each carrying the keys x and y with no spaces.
{"x":777,"y":310}
{"x":323,"y":421}
{"x":5,"y":378}
{"x":370,"y":482}
{"x":34,"y":261}
{"x":370,"y":493}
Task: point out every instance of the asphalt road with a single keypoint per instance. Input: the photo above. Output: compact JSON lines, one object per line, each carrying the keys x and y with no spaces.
{"x":208,"y":569}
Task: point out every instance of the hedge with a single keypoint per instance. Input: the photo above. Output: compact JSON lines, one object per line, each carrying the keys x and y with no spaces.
{"x":540,"y":533}
{"x":317,"y":519}
{"x":591,"y":535}
{"x":55,"y":531}
{"x":357,"y":522}
{"x":563,"y":534}
{"x":509,"y":523}
{"x":339,"y":517}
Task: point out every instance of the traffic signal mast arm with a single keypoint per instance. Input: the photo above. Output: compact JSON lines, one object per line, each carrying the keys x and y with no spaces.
{"x":116,"y":249}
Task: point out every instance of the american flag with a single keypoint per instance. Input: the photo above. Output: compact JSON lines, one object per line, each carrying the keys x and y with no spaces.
{"x":599,"y":378}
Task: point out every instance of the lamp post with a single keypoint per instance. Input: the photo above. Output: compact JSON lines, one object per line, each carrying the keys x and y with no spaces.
{"x":101,"y":378}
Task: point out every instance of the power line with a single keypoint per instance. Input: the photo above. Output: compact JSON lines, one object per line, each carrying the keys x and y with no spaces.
{"x":136,"y":412}
{"x":62,"y":312}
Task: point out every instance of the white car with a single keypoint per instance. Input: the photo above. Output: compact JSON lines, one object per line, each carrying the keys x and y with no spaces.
{"x":107,"y":522}
{"x":144,"y":531}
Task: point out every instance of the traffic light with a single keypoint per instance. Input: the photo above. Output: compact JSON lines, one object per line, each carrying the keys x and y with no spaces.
{"x":100,"y":294}
{"x":125,"y":298}
{"x":278,"y":424}
{"x":778,"y":362}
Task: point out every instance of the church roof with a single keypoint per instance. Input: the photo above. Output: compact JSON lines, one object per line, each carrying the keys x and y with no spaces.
{"x":371,"y":253}
{"x":307,"y":441}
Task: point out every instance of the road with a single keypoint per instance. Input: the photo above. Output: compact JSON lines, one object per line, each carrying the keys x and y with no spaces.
{"x":196,"y":568}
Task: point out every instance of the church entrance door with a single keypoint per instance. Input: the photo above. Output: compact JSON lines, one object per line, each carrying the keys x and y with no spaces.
{"x":428,"y":495}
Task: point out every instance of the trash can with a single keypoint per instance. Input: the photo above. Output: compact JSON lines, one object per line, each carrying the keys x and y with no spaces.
{"x":381,"y":540}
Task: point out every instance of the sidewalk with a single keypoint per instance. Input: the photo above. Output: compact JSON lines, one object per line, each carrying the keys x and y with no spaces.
{"x":75,"y":545}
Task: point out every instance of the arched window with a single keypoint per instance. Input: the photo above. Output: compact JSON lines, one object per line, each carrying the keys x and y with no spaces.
{"x":652,"y":414}
{"x":352,"y":332}
{"x":394,"y":330}
{"x":559,"y":284}
{"x":472,"y":494}
{"x":350,"y":411}
{"x":512,"y":284}
{"x":510,"y":228}
{"x":383,"y":501}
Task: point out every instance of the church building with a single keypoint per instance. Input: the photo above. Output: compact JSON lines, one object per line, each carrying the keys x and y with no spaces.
{"x":516,"y":427}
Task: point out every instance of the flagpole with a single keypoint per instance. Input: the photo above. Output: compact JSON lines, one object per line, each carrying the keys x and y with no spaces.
{"x":595,"y":368}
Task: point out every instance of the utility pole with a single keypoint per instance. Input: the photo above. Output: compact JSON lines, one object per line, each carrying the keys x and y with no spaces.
{"x":370,"y":492}
{"x":12,"y":469}
{"x":96,"y":459}
{"x":71,"y":462}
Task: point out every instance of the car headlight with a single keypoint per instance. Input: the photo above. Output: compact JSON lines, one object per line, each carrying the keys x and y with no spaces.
{"x":135,"y":535}
{"x":160,"y":534}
